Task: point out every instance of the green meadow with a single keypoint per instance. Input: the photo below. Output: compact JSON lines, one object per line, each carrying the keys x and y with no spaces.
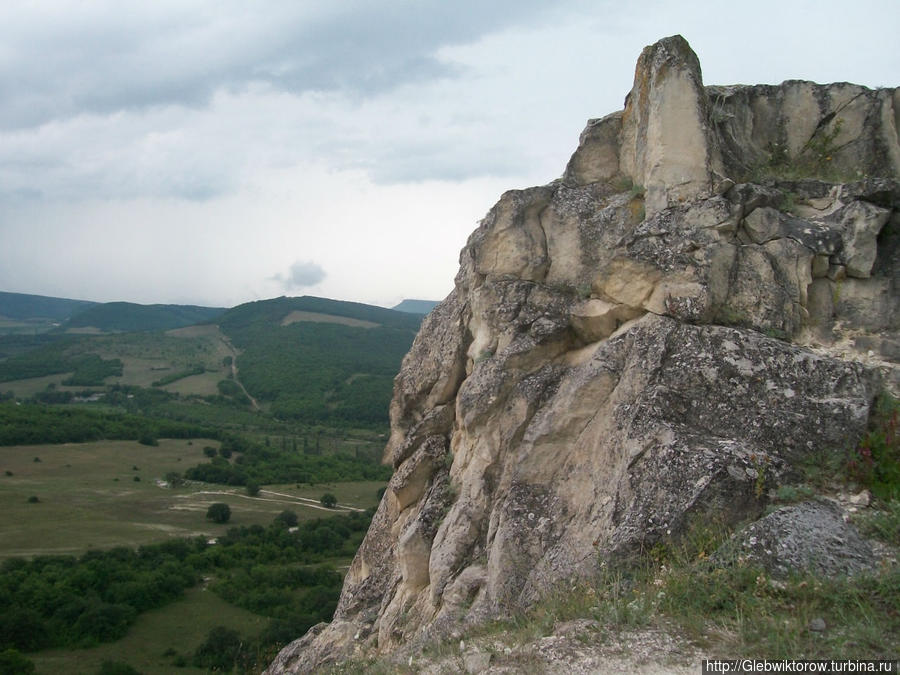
{"x":111,"y":493}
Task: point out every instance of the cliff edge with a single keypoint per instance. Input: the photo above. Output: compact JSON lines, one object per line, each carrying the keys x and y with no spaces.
{"x":709,"y":296}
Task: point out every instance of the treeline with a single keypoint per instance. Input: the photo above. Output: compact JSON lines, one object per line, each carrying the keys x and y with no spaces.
{"x":130,"y":317}
{"x":180,"y":375}
{"x":56,"y":357}
{"x":91,"y":370}
{"x":264,"y":465}
{"x":32,"y":424}
{"x":64,"y":601}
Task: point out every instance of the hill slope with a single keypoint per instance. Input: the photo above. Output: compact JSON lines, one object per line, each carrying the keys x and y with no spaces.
{"x":127,"y":317}
{"x":416,"y":306}
{"x":320,"y":360}
{"x":26,"y":306}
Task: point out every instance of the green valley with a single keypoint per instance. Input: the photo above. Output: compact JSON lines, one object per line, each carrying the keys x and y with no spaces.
{"x":122,"y":426}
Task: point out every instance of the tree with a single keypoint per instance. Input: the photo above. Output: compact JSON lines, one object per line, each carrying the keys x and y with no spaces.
{"x":174,"y":479}
{"x":209,"y":451}
{"x":328,"y":500}
{"x":252,"y":488}
{"x":219,"y":513}
{"x":287,"y":518}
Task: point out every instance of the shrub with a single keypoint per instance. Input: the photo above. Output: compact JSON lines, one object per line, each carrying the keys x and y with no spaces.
{"x":33,"y":499}
{"x":287,"y":518}
{"x":13,"y":663}
{"x":220,"y":651}
{"x":116,"y":668}
{"x":328,"y":500}
{"x":174,"y":479}
{"x":219,"y":513}
{"x":875,"y":463}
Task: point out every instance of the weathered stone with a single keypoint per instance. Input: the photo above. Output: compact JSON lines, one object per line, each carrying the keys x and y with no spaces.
{"x":812,"y":537}
{"x":597,"y":156}
{"x":665,"y":135}
{"x":595,"y":320}
{"x":859,"y":222}
{"x":817,"y":625}
{"x":833,"y":130}
{"x":476,"y":662}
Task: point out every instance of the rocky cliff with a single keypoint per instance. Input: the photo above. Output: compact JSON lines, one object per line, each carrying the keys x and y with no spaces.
{"x":707,"y":297}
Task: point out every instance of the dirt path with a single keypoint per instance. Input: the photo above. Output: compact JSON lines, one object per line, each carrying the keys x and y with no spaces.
{"x":295,"y":501}
{"x":234,"y":371}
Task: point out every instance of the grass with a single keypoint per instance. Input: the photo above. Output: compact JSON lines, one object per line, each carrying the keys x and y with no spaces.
{"x":726,"y":609}
{"x":180,"y":626}
{"x":33,"y":385}
{"x":881,"y":523}
{"x":89,"y":498}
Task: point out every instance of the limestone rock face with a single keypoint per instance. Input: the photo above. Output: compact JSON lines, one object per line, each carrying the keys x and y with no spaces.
{"x":709,"y":295}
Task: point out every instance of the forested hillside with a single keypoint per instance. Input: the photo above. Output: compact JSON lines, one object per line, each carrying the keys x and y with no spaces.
{"x":26,"y":306}
{"x":316,"y":369}
{"x":125,"y":317}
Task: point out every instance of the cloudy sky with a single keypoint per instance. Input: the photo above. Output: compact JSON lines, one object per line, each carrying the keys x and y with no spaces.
{"x":215,"y":152}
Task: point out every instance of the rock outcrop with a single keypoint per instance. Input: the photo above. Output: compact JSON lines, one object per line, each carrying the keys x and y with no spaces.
{"x":709,"y":295}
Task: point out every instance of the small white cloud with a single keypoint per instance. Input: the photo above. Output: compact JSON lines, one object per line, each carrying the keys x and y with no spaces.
{"x":301,"y":275}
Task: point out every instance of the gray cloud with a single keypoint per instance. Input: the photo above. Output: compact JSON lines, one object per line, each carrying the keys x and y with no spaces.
{"x":109,"y":57}
{"x":301,"y":275}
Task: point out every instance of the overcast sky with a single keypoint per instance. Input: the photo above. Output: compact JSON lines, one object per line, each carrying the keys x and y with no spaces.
{"x":215,"y":152}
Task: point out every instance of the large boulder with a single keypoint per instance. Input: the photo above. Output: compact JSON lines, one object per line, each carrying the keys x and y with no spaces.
{"x":810,"y":537}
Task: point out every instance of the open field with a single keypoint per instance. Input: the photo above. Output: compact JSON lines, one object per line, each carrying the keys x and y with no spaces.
{"x":182,"y":626}
{"x":298,"y":315}
{"x":32,"y":385}
{"x":89,"y":497}
{"x":25,"y":326}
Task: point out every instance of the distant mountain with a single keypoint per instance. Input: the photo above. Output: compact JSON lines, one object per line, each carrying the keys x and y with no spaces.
{"x":416,"y":306}
{"x":237,"y":320}
{"x":26,"y":306}
{"x":127,"y":317}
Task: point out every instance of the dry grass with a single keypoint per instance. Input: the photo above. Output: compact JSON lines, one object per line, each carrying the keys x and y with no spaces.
{"x":298,"y":315}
